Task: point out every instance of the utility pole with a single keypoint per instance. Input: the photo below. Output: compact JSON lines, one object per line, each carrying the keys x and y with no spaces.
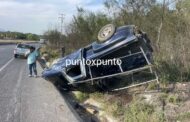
{"x":61,"y":17}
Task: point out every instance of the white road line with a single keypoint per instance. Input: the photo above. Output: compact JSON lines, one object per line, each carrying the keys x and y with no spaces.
{"x":4,"y":66}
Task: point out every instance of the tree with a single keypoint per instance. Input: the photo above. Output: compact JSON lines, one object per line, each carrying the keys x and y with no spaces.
{"x":84,"y":27}
{"x":30,"y":36}
{"x":54,"y":37}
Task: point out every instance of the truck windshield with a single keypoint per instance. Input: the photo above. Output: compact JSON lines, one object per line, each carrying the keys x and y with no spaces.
{"x":23,"y":46}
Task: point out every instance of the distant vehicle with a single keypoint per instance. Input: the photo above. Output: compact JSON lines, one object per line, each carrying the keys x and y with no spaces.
{"x":21,"y":50}
{"x":42,"y":41}
{"x":127,"y":43}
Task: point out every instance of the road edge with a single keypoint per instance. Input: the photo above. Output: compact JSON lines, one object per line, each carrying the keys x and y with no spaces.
{"x":70,"y":106}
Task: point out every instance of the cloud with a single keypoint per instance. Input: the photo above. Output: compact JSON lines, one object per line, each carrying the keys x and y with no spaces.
{"x":36,"y":15}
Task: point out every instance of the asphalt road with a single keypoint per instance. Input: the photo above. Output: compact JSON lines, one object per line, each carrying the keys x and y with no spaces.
{"x":24,"y":99}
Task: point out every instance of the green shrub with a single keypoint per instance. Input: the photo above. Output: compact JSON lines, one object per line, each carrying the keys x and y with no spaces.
{"x":80,"y":96}
{"x":152,"y":86}
{"x":116,"y":109}
{"x":173,"y":99}
{"x":141,"y":112}
{"x":52,"y":54}
{"x":163,"y":97}
{"x":184,"y":116}
{"x":98,"y":96}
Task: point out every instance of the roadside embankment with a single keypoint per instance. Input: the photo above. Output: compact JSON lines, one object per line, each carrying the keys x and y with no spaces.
{"x":45,"y":92}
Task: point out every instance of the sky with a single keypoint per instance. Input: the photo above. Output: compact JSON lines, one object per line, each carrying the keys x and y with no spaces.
{"x":36,"y":16}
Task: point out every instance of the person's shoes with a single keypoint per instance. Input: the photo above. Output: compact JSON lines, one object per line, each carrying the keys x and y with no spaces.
{"x":35,"y":76}
{"x":29,"y":75}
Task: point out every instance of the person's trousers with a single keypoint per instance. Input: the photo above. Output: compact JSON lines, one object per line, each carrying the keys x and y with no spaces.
{"x":32,"y":67}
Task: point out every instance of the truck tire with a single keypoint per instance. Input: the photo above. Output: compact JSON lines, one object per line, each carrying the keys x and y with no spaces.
{"x":15,"y":56}
{"x":106,"y":32}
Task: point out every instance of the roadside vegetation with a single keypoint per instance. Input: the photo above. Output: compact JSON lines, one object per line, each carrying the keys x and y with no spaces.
{"x":18,"y":36}
{"x":168,"y":27}
{"x":138,"y":106}
{"x":166,"y":23}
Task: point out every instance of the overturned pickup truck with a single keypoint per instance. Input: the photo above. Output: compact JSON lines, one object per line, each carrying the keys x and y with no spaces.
{"x":89,"y":69}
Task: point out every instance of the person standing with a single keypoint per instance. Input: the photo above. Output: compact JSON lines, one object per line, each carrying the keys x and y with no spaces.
{"x":32,"y":56}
